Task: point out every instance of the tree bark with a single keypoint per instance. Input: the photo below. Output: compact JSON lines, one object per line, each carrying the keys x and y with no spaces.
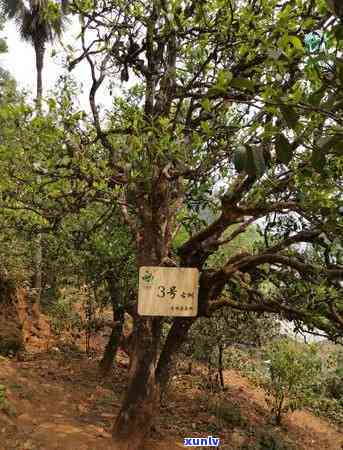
{"x":148,"y":374}
{"x":37,"y":256}
{"x":220,"y":364}
{"x":142,"y":398}
{"x":176,"y":337}
{"x":110,"y":352}
{"x":39,"y":51}
{"x":190,"y":367}
{"x":141,"y":401}
{"x":117,"y":329}
{"x":37,"y":276}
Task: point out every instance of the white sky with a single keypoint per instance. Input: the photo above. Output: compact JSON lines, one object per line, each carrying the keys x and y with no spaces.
{"x":20,"y":62}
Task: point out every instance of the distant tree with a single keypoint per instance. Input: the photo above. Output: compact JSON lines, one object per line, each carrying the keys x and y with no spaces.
{"x":210,"y":337}
{"x":103,"y":255}
{"x":8,"y":87}
{"x":13,"y":248}
{"x":294,"y":372}
{"x":39,"y":22}
{"x":4,"y":75}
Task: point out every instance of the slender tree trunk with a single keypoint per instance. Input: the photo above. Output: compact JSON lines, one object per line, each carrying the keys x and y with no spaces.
{"x":37,"y":276}
{"x":190,"y":368}
{"x":220,"y":364}
{"x":51,"y":283}
{"x":176,"y":337}
{"x":117,"y":330}
{"x":38,"y":256}
{"x":40,"y":51}
{"x":111,"y":348}
{"x":210,"y":371}
{"x":278,"y":410}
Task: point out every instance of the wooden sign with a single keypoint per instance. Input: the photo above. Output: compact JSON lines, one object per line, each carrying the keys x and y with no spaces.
{"x":168,"y":291}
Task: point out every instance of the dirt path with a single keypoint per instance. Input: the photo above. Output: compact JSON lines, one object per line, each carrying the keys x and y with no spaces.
{"x":56,"y":402}
{"x":57,"y":407}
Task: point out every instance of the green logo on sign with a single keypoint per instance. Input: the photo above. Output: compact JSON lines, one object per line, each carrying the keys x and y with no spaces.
{"x":148,"y":277}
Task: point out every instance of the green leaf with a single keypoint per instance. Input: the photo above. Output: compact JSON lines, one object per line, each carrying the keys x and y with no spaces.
{"x":205,"y":127}
{"x":206,"y":104}
{"x":316,"y":97}
{"x":222,"y":83}
{"x":284,"y":149}
{"x":243,"y":83}
{"x":340,"y":71}
{"x":52,"y":104}
{"x":214,"y":91}
{"x":3,"y":46}
{"x":323,"y":143}
{"x":224,"y":78}
{"x":296,"y":43}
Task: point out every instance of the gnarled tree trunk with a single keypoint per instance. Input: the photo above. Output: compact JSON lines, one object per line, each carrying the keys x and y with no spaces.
{"x":141,"y":401}
{"x":148,"y":377}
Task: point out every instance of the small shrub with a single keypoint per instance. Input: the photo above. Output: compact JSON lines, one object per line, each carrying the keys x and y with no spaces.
{"x":294,"y":370}
{"x":268,"y":440}
{"x":249,"y":365}
{"x":334,"y":384}
{"x":2,"y":395}
{"x":5,"y":406}
{"x":63,"y":316}
{"x":226,"y":412}
{"x":330,"y":408}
